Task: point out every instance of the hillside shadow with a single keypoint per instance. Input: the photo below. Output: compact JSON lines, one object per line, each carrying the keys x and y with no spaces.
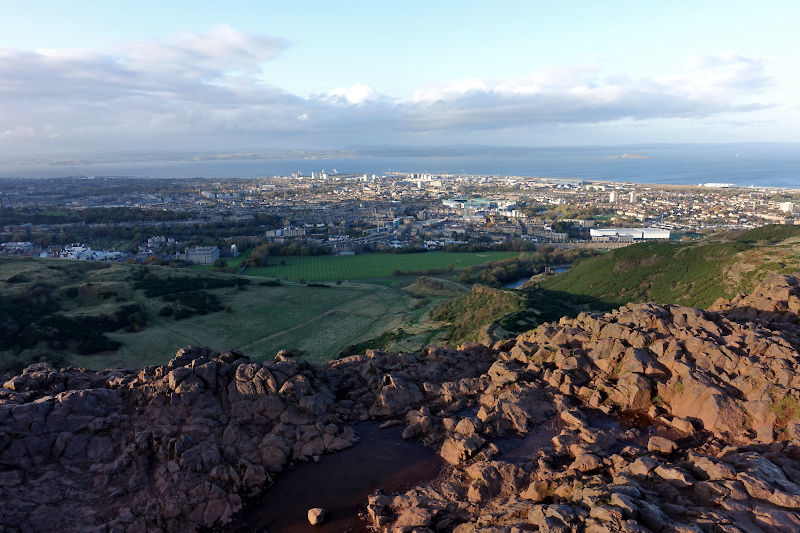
{"x":552,"y":305}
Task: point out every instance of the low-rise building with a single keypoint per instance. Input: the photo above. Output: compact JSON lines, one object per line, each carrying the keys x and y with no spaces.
{"x":624,"y":234}
{"x":202,"y":255}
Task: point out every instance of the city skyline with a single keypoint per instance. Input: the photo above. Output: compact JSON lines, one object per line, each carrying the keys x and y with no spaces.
{"x":124,"y":77}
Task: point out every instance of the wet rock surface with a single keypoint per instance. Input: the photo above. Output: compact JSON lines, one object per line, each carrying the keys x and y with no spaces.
{"x":648,"y":418}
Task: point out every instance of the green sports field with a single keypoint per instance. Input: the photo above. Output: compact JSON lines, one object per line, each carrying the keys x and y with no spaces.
{"x":369,"y":266}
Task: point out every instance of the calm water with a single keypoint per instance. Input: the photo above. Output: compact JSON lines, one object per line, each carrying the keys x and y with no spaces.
{"x":516,"y":284}
{"x":341,"y":483}
{"x":757,"y":164}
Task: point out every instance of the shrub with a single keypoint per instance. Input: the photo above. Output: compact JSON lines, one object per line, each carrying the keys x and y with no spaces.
{"x":787,"y":409}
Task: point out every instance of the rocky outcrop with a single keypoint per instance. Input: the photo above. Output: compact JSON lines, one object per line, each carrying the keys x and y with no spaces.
{"x":649,"y":418}
{"x":171,"y":447}
{"x":181,"y":446}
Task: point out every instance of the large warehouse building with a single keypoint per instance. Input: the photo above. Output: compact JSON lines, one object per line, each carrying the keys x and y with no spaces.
{"x":628,"y":234}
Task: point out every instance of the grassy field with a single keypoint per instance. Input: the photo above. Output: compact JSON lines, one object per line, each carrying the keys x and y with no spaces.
{"x":369,"y":266}
{"x":264,"y":320}
{"x":258,"y":318}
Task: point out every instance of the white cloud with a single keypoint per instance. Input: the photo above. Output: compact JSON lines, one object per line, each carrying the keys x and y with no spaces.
{"x":445,"y":91}
{"x":355,"y":94}
{"x":728,"y":75}
{"x":201,"y":91}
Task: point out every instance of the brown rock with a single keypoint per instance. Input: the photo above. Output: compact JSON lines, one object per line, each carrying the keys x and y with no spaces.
{"x":661,"y":445}
{"x":586,"y":462}
{"x":456,"y":450}
{"x":316,"y":516}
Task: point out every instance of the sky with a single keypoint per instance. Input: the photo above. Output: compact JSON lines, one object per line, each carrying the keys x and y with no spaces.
{"x":87,"y":77}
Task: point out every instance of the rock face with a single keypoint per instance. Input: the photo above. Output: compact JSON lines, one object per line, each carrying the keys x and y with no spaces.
{"x":180,"y":446}
{"x":669,"y":419}
{"x":649,"y":418}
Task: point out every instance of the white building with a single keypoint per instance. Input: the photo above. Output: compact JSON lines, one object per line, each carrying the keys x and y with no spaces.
{"x":84,"y":253}
{"x":626,"y":234}
{"x":787,"y":207}
{"x":202,"y":255}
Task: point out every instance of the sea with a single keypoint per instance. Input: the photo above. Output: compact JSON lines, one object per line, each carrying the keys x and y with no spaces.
{"x":742,"y":164}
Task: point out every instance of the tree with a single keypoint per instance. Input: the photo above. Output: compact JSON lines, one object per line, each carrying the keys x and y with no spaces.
{"x":259,"y":256}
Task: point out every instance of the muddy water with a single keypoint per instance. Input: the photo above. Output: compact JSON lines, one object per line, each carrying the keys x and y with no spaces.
{"x":340,"y":484}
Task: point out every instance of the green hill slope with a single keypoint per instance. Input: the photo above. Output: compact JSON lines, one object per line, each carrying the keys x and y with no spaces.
{"x":469,"y":317}
{"x":693,"y":274}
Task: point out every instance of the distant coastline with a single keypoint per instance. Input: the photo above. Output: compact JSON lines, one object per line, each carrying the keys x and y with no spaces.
{"x":757,"y":164}
{"x":628,"y":156}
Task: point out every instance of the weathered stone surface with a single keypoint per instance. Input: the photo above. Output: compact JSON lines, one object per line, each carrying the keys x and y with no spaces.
{"x":661,"y":445}
{"x":707,"y":460}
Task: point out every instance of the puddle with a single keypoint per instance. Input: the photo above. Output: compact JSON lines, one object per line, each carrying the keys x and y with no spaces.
{"x":635,"y":419}
{"x":519,"y":448}
{"x":636,"y":428}
{"x":340,"y":483}
{"x":630,"y":428}
{"x":598,"y":419}
{"x":648,"y":427}
{"x":467,"y":412}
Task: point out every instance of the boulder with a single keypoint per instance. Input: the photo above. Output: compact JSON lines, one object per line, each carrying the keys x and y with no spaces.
{"x":661,"y":445}
{"x":316,"y":516}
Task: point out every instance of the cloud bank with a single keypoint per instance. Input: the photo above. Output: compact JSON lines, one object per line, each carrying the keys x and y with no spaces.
{"x":207,"y":91}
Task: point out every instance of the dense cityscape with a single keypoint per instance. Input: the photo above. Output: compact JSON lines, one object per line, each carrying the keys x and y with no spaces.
{"x":199,"y":220}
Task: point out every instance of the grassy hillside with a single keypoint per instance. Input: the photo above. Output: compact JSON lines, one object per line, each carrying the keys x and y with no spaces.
{"x":469,"y":317}
{"x":693,"y":274}
{"x":115,"y":315}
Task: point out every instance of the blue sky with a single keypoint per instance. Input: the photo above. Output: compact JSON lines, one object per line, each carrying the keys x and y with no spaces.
{"x":93,"y":77}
